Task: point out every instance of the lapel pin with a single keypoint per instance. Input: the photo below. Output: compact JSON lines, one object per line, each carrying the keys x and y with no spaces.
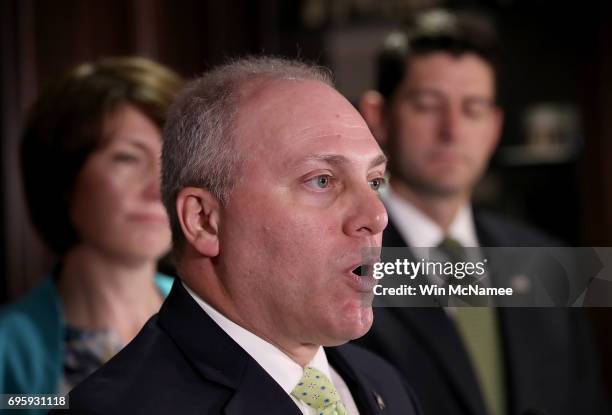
{"x":379,"y":401}
{"x":521,"y":284}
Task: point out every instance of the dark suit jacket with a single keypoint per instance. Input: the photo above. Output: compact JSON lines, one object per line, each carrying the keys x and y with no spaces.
{"x":182,"y":362}
{"x":549,"y":360}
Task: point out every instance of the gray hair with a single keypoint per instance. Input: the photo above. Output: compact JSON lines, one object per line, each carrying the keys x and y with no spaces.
{"x":199,"y":146}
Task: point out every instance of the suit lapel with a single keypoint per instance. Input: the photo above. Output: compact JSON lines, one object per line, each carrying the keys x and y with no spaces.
{"x":438,"y":335}
{"x":431,"y":327}
{"x":220,"y":359}
{"x":531,"y":337}
{"x":363,"y":392}
{"x":258,"y":393}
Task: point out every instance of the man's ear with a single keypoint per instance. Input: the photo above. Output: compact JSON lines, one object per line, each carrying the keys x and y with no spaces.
{"x":371,"y":106}
{"x":198,"y":214}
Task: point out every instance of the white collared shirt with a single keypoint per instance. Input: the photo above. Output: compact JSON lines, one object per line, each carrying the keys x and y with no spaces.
{"x":419,"y":230}
{"x":277,"y":364}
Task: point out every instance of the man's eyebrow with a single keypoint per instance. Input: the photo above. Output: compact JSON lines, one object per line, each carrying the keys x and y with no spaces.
{"x":339,"y":160}
{"x":420,"y":91}
{"x":381,"y":159}
{"x":416,"y":91}
{"x":333,"y":159}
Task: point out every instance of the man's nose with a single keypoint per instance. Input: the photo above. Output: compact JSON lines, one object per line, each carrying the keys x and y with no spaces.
{"x":452,"y":122}
{"x":368,"y":215}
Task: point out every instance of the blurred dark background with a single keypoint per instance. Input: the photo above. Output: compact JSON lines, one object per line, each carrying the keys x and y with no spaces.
{"x":552,"y":169}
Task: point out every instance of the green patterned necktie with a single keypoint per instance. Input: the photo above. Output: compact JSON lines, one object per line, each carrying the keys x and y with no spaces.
{"x":452,"y":248}
{"x":317,"y":391}
{"x":455,"y":252}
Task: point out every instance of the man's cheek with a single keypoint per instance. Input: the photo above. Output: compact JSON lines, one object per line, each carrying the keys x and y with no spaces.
{"x":309,"y":202}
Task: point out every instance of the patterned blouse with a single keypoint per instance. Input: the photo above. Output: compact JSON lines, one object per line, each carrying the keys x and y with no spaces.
{"x":84,"y":352}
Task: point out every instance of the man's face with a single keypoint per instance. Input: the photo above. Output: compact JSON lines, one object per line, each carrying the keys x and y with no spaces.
{"x":442,"y":124}
{"x":305,"y":205}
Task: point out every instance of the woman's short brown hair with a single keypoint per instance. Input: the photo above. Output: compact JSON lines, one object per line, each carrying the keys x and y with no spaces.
{"x":65,"y":125}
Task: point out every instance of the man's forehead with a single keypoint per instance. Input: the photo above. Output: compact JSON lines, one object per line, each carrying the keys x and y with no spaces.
{"x":296,"y":123}
{"x":298,"y":111}
{"x":341,"y":127}
{"x":447,"y":57}
{"x":463,"y":69}
{"x":279,"y":96}
{"x":338,"y":147}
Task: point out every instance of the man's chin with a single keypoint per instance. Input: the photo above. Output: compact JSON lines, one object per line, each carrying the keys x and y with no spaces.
{"x":363,"y":330}
{"x":362,"y":324}
{"x":350,"y":329}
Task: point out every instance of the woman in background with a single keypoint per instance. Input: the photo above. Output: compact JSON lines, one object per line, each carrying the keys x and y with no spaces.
{"x":91,"y":168}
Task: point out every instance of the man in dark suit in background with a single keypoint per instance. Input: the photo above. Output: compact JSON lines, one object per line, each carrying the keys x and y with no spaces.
{"x":271,"y":180}
{"x":435,"y":114}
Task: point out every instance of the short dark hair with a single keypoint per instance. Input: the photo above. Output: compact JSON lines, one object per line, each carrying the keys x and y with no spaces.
{"x":65,"y":125}
{"x":433,"y":31}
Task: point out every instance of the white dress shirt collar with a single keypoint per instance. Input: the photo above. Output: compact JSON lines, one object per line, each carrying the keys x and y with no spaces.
{"x":286,"y":372}
{"x":419,"y":230}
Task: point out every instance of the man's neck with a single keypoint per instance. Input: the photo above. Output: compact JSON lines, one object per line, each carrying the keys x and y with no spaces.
{"x":442,"y":209}
{"x":208,"y":287}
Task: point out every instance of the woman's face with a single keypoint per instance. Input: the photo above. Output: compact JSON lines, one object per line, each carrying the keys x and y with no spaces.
{"x":116,"y":207}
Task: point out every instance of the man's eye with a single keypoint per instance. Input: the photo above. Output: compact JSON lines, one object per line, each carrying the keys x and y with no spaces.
{"x":378,"y":183}
{"x":322,"y":181}
{"x":426,"y":105}
{"x":425,"y":102}
{"x":477,"y":109}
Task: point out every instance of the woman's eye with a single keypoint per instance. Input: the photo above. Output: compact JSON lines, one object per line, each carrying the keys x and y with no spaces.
{"x":322,"y":181}
{"x":378,"y":183}
{"x":126,"y":157}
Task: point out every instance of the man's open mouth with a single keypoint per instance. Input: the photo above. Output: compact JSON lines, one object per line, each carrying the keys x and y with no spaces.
{"x":362,"y":270}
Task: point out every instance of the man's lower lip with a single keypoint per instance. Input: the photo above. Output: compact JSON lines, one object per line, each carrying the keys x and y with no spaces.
{"x":446,"y":158}
{"x":363,"y":284}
